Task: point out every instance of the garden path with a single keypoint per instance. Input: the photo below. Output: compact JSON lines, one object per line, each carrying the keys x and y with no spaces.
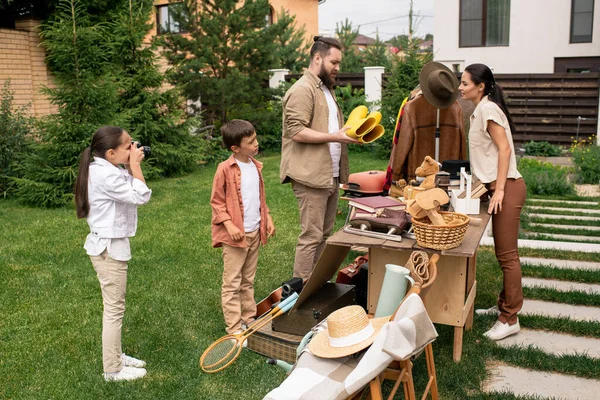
{"x":558,"y":225}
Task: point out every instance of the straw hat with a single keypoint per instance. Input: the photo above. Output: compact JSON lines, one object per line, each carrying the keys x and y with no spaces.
{"x":349,"y":330}
{"x":439,"y":85}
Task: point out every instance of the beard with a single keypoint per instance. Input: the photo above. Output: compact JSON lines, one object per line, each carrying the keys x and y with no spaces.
{"x":325,"y":77}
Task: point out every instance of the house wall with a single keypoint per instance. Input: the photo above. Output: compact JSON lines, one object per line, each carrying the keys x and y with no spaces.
{"x":22,"y":60}
{"x":306,"y":12}
{"x":539,"y":32}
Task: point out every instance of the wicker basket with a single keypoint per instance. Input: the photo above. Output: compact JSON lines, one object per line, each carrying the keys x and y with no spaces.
{"x":440,"y":237}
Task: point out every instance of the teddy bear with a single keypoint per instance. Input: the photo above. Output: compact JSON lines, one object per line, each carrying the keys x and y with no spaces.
{"x":428,"y":169}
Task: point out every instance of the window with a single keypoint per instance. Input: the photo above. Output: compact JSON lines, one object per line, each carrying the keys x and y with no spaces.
{"x":484,"y":23}
{"x":169,"y":18}
{"x":582,"y":21}
{"x":269,"y":17}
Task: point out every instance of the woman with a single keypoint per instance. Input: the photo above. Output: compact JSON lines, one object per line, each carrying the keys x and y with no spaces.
{"x":492,"y":157}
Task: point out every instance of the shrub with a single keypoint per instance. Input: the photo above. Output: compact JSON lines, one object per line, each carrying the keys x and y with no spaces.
{"x":544,"y":178}
{"x":542,"y":149}
{"x":586,"y":160}
{"x":15,"y":127}
{"x":350,"y":98}
{"x":266,"y":120}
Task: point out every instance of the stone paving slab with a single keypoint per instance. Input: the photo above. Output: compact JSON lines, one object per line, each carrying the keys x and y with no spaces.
{"x":562,"y":264}
{"x":568,"y":217}
{"x":574,"y":227}
{"x":524,"y":382}
{"x":548,"y":244}
{"x":588,"y":190}
{"x":587,"y":203}
{"x":554,"y":343}
{"x":560,"y":310}
{"x":561,"y":286}
{"x":571,"y":238}
{"x":581,"y":210}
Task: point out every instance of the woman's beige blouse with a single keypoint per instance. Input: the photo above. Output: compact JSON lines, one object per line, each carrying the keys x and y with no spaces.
{"x":483,"y":153}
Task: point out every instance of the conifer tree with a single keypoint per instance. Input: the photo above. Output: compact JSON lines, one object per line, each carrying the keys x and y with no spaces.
{"x":292,"y":49}
{"x":225,"y":58}
{"x":86,"y":96}
{"x":351,"y":61}
{"x":154,"y":114}
{"x":377,"y":54}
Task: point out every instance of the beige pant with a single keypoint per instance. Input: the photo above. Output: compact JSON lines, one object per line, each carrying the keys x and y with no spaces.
{"x":237,"y":291}
{"x":318,"y":208}
{"x":112,"y":275}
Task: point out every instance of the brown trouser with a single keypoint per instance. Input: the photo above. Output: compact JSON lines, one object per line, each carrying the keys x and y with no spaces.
{"x":505,"y":225}
{"x":237,"y":291}
{"x":112,"y":275}
{"x":318,"y":208}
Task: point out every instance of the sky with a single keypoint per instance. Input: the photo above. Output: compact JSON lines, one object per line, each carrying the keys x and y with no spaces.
{"x":390,"y":17}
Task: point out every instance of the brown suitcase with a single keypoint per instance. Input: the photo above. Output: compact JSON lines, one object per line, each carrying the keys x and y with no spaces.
{"x":346,"y":275}
{"x":327,"y":299}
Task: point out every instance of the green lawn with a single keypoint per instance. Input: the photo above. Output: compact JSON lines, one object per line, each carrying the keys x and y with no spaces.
{"x":50,"y":302}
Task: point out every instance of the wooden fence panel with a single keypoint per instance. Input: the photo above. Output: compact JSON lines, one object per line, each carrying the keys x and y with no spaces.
{"x":552,"y":107}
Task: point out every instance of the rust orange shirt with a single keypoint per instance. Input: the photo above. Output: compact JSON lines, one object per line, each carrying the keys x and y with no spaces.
{"x":226,"y":203}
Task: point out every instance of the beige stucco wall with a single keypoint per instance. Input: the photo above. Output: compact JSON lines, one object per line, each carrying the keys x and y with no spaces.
{"x":22,"y":60}
{"x":306,"y":12}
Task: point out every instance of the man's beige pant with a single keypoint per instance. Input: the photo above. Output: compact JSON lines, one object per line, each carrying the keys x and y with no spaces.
{"x":237,"y":291}
{"x":112,"y":275}
{"x":318,"y":208}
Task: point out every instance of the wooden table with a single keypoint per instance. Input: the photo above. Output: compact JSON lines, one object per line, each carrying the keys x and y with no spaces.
{"x":450,"y":298}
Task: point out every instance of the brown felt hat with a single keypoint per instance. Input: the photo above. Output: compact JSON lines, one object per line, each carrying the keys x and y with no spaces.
{"x":439,"y":85}
{"x":349,"y":330}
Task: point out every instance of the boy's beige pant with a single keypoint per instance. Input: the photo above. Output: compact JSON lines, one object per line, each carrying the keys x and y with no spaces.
{"x":237,"y":291}
{"x":112,"y":275}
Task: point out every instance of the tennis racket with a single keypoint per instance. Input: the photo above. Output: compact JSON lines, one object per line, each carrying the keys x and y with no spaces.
{"x":227,"y":349}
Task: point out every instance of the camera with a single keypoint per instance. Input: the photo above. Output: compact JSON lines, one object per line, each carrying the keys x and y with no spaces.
{"x":146,"y":149}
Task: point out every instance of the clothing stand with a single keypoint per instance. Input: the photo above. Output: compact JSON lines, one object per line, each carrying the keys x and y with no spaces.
{"x":437,"y":135}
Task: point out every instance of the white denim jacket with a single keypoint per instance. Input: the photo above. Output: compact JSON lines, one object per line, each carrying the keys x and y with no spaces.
{"x":113,"y":196}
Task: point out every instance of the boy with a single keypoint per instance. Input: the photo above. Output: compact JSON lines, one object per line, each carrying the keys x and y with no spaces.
{"x":240,"y":222}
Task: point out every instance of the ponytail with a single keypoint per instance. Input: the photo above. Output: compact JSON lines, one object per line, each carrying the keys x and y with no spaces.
{"x":497,"y":96}
{"x":81,"y":184}
{"x":481,"y":73}
{"x":105,"y":138}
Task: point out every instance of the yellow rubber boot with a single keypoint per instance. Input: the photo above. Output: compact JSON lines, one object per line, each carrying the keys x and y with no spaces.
{"x":373,"y":134}
{"x":359,"y":123}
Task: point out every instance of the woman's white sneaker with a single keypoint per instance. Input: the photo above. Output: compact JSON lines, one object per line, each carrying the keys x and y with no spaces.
{"x":125,"y":374}
{"x":129,"y":361}
{"x":500,"y":331}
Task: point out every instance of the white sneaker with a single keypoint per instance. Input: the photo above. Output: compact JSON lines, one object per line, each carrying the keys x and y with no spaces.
{"x":245,"y":343}
{"x":499,"y":331}
{"x":129,"y":361}
{"x":488,"y":311}
{"x":125,"y":374}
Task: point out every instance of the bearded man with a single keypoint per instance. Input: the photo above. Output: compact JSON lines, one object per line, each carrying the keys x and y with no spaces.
{"x":314,"y":156}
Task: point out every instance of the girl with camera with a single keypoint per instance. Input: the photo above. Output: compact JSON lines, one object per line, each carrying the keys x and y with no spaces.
{"x":107,"y":195}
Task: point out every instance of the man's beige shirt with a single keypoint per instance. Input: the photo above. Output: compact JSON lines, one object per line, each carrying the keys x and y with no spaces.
{"x":305,"y":106}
